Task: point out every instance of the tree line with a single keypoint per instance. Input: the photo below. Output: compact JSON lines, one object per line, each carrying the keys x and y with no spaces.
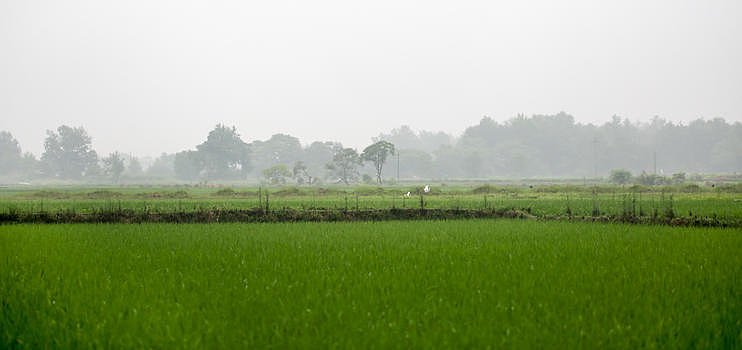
{"x":536,"y":146}
{"x":68,"y":155}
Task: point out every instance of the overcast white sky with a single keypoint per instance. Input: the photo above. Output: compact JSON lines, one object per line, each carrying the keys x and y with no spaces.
{"x":145,"y":76}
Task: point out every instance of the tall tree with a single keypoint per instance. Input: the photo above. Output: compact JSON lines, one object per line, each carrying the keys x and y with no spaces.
{"x":344,"y":165}
{"x":68,"y":153}
{"x":113,"y":165}
{"x":279,"y":149}
{"x":301,"y":174}
{"x":276,"y":174}
{"x":224,"y":153}
{"x":620,"y":176}
{"x":317,"y":155}
{"x":377,"y":153}
{"x":135,"y":167}
{"x":10,"y":153}
{"x":162,"y":166}
{"x":187,"y":165}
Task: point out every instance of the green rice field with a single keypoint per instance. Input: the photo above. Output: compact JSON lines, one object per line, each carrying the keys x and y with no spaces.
{"x":401,"y":284}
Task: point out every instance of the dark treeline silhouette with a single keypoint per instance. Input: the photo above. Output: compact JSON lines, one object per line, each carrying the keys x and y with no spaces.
{"x":537,"y":146}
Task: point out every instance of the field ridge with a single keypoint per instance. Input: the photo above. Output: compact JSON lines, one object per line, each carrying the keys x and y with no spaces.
{"x":216,"y":215}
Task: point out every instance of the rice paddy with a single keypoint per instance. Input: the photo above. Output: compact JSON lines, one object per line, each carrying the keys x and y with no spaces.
{"x":399,"y":284}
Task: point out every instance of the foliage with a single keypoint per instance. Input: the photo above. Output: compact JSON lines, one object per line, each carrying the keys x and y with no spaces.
{"x":135,"y":167}
{"x":68,"y":153}
{"x":651,"y":179}
{"x":162,"y":166}
{"x":344,"y":165}
{"x":187,"y":165}
{"x":226,"y":192}
{"x":377,"y":153}
{"x":10,"y":153}
{"x":367,"y":179}
{"x":678,"y":178}
{"x":301,"y":174}
{"x":113,"y":165}
{"x":425,"y":141}
{"x":224,"y":155}
{"x":279,"y":149}
{"x":487,"y":189}
{"x":317,"y":155}
{"x":277,"y":174}
{"x":521,"y":147}
{"x":620,"y":177}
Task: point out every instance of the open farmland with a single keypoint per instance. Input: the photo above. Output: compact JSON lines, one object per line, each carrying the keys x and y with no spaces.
{"x":717,"y":207}
{"x":452,"y":284}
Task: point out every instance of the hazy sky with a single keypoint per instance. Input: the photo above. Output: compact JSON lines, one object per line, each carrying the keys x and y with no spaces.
{"x":147,"y":76}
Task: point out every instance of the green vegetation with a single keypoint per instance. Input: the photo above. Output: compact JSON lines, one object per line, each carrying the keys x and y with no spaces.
{"x":522,"y":147}
{"x":721,"y":206}
{"x":456,"y":284}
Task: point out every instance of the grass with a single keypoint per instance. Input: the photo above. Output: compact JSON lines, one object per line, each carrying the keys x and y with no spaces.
{"x":542,"y":202}
{"x":453,"y":284}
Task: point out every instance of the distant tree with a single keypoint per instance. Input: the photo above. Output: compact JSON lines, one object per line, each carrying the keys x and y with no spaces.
{"x":414,"y":163}
{"x":301,"y":174}
{"x":405,"y":138}
{"x":135,"y":167}
{"x":650,"y":179}
{"x":678,"y":178}
{"x":377,"y":153}
{"x":344,"y":165}
{"x":162,"y":166}
{"x":113,"y":165}
{"x":367,"y":179}
{"x":472,"y":164}
{"x":68,"y":153}
{"x":28,"y":166}
{"x":224,"y":154}
{"x":279,"y":149}
{"x":317,"y":155}
{"x":10,"y":153}
{"x":620,"y":177}
{"x":277,"y":174}
{"x":187,"y":165}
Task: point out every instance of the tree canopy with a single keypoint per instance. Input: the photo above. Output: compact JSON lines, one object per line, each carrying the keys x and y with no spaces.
{"x":113,"y":165}
{"x":10,"y":153}
{"x":377,"y":153}
{"x":344,"y":165}
{"x":223,"y":154}
{"x":68,"y":153}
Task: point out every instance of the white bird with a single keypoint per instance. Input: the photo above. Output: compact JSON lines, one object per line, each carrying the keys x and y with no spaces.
{"x":408,"y":194}
{"x":426,"y":189}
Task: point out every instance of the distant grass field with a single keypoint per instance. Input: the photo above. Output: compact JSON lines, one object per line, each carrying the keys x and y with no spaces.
{"x":445,"y":284}
{"x":677,"y":201}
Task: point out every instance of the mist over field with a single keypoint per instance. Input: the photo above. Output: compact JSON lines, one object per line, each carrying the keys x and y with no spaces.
{"x":290,"y":92}
{"x":545,"y":146}
{"x":145,"y":78}
{"x":192,"y":174}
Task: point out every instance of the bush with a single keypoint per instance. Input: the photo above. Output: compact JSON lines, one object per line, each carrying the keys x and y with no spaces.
{"x":486,"y":188}
{"x":652,"y":179}
{"x":226,"y":192}
{"x":620,"y":177}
